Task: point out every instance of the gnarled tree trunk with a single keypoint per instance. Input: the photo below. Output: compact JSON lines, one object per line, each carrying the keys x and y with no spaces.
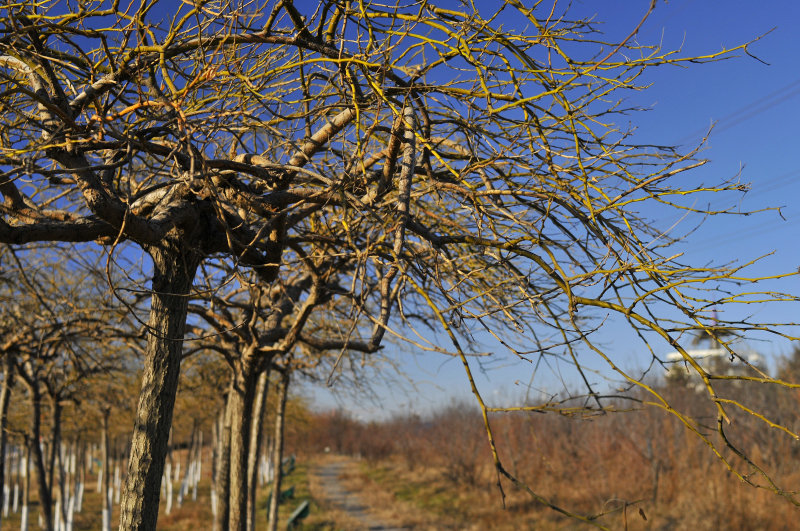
{"x":174,"y":268}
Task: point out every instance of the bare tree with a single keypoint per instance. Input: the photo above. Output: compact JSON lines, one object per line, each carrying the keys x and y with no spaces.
{"x":255,"y":328}
{"x":467,"y":166}
{"x":52,"y":316}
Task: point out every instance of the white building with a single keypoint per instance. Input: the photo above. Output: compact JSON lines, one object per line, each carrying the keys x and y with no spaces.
{"x":713,"y":360}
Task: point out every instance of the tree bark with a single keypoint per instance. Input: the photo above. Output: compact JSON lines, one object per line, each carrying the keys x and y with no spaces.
{"x":45,"y":499}
{"x":55,"y":443}
{"x":277,"y":457}
{"x":241,"y":399}
{"x":173,"y":272}
{"x":56,"y":468}
{"x":5,"y":395}
{"x":256,"y":441}
{"x":216,"y":427}
{"x":223,"y":469}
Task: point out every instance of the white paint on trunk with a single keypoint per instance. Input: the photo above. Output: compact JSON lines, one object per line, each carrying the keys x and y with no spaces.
{"x":195,"y":479}
{"x":79,"y":497}
{"x":70,"y":513}
{"x":168,"y":479}
{"x":117,"y":483}
{"x":263,"y":465}
{"x":57,"y":517}
{"x":199,"y":459}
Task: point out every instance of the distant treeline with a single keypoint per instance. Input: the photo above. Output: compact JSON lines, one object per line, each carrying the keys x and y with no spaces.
{"x":611,"y":464}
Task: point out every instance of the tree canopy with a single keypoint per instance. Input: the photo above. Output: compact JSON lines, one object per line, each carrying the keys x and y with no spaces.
{"x":462,"y":169}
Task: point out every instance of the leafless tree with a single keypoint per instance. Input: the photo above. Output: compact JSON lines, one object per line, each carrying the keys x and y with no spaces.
{"x":466,"y":161}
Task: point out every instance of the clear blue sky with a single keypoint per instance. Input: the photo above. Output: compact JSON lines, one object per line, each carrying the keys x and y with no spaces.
{"x":756,"y":108}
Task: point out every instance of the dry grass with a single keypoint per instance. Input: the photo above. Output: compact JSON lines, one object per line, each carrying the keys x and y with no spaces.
{"x":451,"y":506}
{"x":192,"y":515}
{"x":437,"y":472}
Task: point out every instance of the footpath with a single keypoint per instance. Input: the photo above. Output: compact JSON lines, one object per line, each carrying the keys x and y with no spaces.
{"x":336,"y":495}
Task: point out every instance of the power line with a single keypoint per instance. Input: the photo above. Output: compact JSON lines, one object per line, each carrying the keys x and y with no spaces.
{"x":749,"y":110}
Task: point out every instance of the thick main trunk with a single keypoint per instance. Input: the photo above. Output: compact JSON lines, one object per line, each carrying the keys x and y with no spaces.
{"x":277,"y":456}
{"x":5,"y":395}
{"x":173,"y":272}
{"x":256,"y":440}
{"x":241,"y":406}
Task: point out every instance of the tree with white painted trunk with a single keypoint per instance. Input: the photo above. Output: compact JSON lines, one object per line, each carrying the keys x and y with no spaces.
{"x":254,"y":328}
{"x":50,"y":323}
{"x":468,"y":162}
{"x":5,"y":396}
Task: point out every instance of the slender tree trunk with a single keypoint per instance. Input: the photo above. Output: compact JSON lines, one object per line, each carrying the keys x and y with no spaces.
{"x":80,"y":476}
{"x":45,"y":499}
{"x":5,"y":396}
{"x":187,"y":474}
{"x":69,"y":485}
{"x":57,"y":476}
{"x":198,"y":465}
{"x":168,"y":473}
{"x":241,"y":399}
{"x":216,"y":437}
{"x":223,"y":469}
{"x":277,"y":457}
{"x":173,"y":272}
{"x":256,"y":441}
{"x":55,"y":443}
{"x":105,"y":473}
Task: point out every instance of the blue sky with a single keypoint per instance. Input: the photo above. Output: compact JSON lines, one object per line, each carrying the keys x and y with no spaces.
{"x":756,"y":108}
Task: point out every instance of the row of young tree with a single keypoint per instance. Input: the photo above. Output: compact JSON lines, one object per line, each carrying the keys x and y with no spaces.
{"x":300,"y":180}
{"x":69,"y":375}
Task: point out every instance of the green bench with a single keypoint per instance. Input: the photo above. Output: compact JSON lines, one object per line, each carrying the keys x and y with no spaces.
{"x":287,"y":465}
{"x":285,"y":495}
{"x":298,"y":514}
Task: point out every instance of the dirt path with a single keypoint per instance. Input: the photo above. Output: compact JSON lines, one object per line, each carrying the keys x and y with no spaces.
{"x":340,"y":498}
